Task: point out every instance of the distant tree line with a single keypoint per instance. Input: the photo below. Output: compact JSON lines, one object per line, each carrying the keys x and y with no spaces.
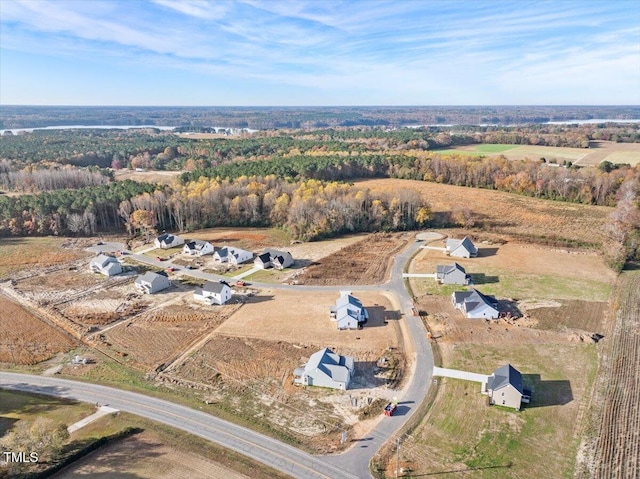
{"x":527,"y":177}
{"x":34,"y":180}
{"x":309,"y":209}
{"x":81,"y":211}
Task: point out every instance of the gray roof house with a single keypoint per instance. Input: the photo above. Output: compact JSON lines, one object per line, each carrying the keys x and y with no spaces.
{"x":166,"y":240}
{"x":197,"y":248}
{"x":325,"y":369}
{"x":213,"y":293}
{"x":475,"y":305}
{"x":505,"y":387}
{"x":463,"y":248}
{"x":452,"y":274}
{"x":348,"y":313}
{"x":229,"y":254}
{"x":272,"y":258}
{"x":151,"y":282}
{"x":107,"y":265}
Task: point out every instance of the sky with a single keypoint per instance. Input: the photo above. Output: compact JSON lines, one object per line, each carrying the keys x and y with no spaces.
{"x":320,"y":52}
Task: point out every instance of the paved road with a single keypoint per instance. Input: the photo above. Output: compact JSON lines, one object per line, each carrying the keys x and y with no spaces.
{"x":353,"y":463}
{"x":273,"y":453}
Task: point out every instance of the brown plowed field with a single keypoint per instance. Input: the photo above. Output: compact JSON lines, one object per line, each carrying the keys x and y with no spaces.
{"x":365,"y":262}
{"x":25,"y":339}
{"x":617,"y":454}
{"x":161,"y":335}
{"x":509,"y":215}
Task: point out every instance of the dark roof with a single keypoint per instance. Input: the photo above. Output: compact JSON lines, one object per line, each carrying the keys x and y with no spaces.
{"x":212,"y":287}
{"x":504,"y":376}
{"x":264,"y":257}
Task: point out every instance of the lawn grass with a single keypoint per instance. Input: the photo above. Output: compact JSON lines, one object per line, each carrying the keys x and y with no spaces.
{"x":21,"y":406}
{"x":462,"y":433}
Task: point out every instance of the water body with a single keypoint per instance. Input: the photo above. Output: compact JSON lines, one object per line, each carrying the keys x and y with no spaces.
{"x":590,"y":122}
{"x":87,"y":127}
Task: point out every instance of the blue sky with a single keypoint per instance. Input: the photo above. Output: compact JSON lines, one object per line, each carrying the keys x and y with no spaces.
{"x":323,"y":52}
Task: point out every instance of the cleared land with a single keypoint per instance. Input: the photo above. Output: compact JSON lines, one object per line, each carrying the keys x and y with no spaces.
{"x":597,"y":152}
{"x":508,"y":216}
{"x":522,"y":271}
{"x":17,"y":254}
{"x":612,"y":447}
{"x":146,"y":456}
{"x":26,"y":339}
{"x":246,"y":238}
{"x":364,"y":262}
{"x":303,"y":318}
{"x":162,"y":177}
{"x":159,"y":336}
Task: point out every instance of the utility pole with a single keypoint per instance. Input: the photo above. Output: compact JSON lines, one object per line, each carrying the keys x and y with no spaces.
{"x":397,"y":455}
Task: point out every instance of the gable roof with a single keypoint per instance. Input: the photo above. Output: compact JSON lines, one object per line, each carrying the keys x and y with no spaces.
{"x":151,"y":277}
{"x":504,"y":376}
{"x":333,"y":365}
{"x":213,"y":287}
{"x":466,"y":243}
{"x":102,"y":260}
{"x":474,"y":300}
{"x":264,"y":257}
{"x":196,"y":244}
{"x":444,"y":269}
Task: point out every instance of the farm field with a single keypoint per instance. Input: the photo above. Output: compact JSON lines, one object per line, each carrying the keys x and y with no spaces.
{"x":25,"y":338}
{"x":612,"y":445}
{"x":303,"y":318}
{"x":508,"y":216}
{"x":597,"y":152}
{"x":365,"y":262}
{"x":522,"y":271}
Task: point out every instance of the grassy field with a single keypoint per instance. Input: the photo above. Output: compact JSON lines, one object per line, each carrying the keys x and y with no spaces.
{"x":462,"y":434}
{"x":17,"y":254}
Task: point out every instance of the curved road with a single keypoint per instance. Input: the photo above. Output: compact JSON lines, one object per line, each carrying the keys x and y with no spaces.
{"x":351,"y":464}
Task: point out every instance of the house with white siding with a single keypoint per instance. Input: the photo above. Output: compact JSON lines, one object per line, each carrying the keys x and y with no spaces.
{"x":325,"y":369}
{"x":166,"y":241}
{"x":475,"y":305}
{"x":197,"y":248}
{"x":107,"y":265}
{"x":213,"y":293}
{"x":463,"y":248}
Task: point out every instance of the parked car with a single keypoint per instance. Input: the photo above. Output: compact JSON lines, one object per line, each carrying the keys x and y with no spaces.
{"x":240,"y":283}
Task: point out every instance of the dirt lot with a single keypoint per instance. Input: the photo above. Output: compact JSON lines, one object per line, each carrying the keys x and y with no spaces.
{"x":364,"y":262}
{"x":25,"y":338}
{"x":162,"y":177}
{"x":509,"y":216}
{"x":253,"y":378}
{"x":145,"y":455}
{"x":303,"y":318}
{"x":250,"y":239}
{"x":161,"y":335}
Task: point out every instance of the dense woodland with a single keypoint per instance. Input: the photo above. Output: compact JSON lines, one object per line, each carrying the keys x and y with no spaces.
{"x":291,"y":179}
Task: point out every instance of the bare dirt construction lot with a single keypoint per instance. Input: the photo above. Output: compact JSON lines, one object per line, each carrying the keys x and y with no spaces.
{"x":365,"y":262}
{"x":159,"y":336}
{"x":303,"y":318}
{"x":246,"y":238}
{"x":25,"y":338}
{"x":509,"y":216}
{"x":611,"y":445}
{"x":146,"y":456}
{"x":253,"y":378}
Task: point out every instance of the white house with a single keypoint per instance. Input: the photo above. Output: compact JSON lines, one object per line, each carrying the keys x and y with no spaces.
{"x":166,"y":241}
{"x":272,"y":258}
{"x":348,"y":313}
{"x":475,"y":305}
{"x":504,"y":388}
{"x":325,"y":369}
{"x":452,"y":274}
{"x":463,"y":248}
{"x":235,"y":256}
{"x":197,"y":248}
{"x":151,"y":282}
{"x":107,"y":265}
{"x":213,"y":293}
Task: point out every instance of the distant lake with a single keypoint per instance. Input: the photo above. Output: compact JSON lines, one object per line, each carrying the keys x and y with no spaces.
{"x":87,"y":127}
{"x":590,"y":122}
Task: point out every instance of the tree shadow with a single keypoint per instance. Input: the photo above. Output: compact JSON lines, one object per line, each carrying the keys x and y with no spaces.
{"x":547,"y":392}
{"x":481,"y":278}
